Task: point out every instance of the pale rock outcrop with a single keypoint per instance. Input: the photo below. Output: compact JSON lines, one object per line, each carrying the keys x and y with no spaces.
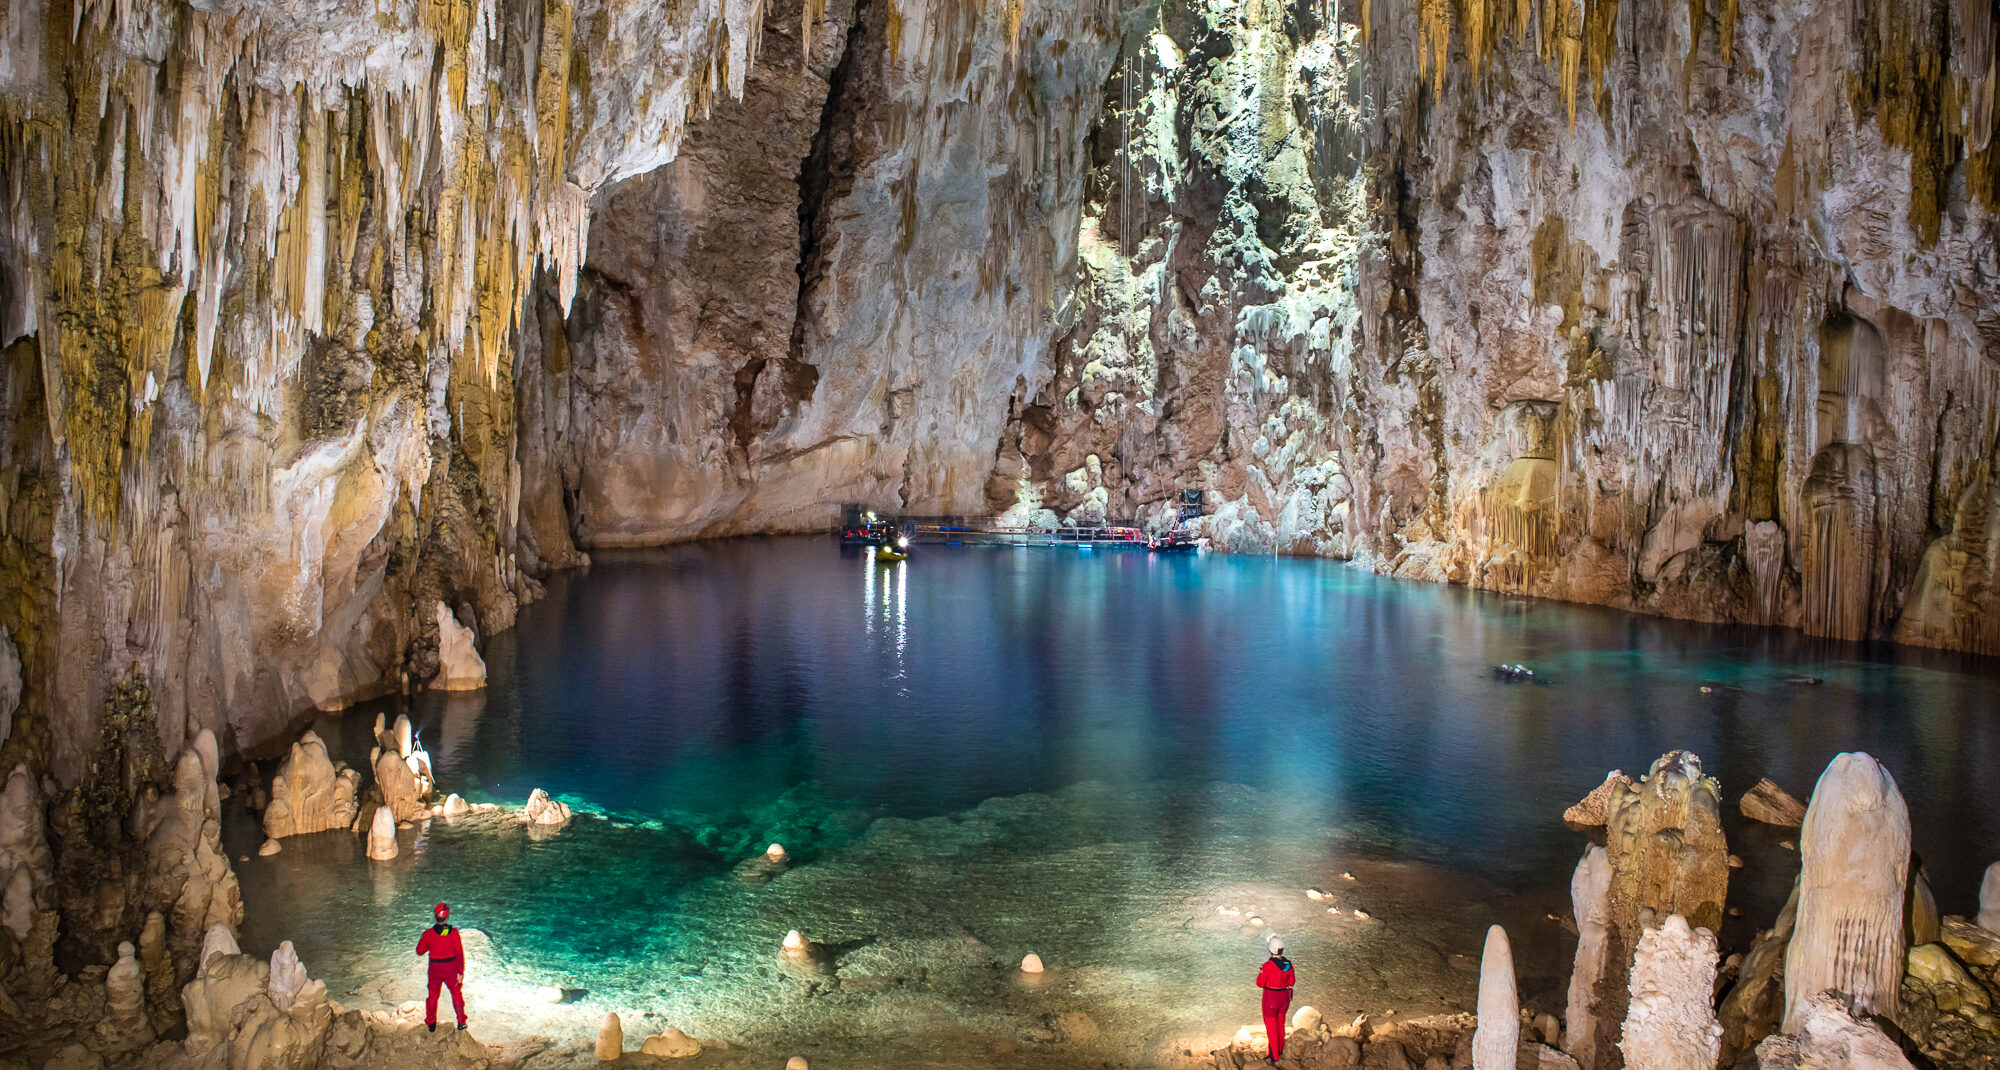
{"x":1031,"y":963}
{"x":1666,"y":855}
{"x":1989,"y":899}
{"x":1826,"y":1037}
{"x":1671,"y":1021}
{"x":245,"y":1014}
{"x":1497,"y":1042}
{"x":404,"y":734}
{"x":545,"y":811}
{"x":311,"y":794}
{"x":382,"y":835}
{"x":672,"y":1044}
{"x":1772,"y":805}
{"x":1855,"y":855}
{"x":1594,"y":809}
{"x":401,"y":791}
{"x":126,"y":1025}
{"x":1590,"y":897}
{"x":460,"y":668}
{"x":455,"y":806}
{"x":610,"y":1045}
{"x":27,"y":877}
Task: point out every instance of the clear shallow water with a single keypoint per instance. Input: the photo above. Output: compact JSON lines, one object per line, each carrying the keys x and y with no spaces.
{"x":982,"y":752}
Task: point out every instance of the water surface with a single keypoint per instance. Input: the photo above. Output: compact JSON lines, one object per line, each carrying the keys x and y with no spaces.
{"x":1090,"y":754}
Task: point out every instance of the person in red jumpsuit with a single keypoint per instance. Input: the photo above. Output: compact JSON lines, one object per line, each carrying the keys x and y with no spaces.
{"x":447,"y":954}
{"x":1276,"y":979}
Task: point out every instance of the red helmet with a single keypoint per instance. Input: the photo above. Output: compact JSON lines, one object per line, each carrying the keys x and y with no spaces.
{"x":442,"y":911}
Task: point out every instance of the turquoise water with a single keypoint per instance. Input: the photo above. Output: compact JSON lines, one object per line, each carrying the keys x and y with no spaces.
{"x":981,"y":752}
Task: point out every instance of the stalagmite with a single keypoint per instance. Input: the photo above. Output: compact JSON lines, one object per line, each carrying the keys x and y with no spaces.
{"x":1667,"y":856}
{"x":795,"y":941}
{"x":542,"y":810}
{"x":125,"y":1021}
{"x":1590,"y":892}
{"x":454,"y":805}
{"x":1989,"y":899}
{"x":382,"y":835}
{"x":1031,"y":963}
{"x":26,"y":866}
{"x":1496,"y":1043}
{"x":406,"y":736}
{"x":217,"y":941}
{"x":460,"y":668}
{"x":1855,"y":858}
{"x":610,"y":1039}
{"x":1671,"y":1022}
{"x":400,"y":791}
{"x":776,"y":852}
{"x":289,"y":982}
{"x":796,"y":1062}
{"x":309,"y":794}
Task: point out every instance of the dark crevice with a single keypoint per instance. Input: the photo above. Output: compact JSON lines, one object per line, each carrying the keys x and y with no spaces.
{"x":827,"y":172}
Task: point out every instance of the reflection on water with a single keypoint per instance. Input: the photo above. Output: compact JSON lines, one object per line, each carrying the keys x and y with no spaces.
{"x":712,"y":698}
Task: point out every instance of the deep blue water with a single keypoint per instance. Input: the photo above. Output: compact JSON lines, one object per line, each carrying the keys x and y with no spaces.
{"x":722,"y":695}
{"x":720,"y":677}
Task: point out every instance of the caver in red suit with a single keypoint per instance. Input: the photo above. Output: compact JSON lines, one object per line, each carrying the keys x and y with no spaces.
{"x":447,"y":954}
{"x":1276,"y":979}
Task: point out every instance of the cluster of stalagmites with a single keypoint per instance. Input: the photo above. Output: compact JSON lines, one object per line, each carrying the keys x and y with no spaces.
{"x":1858,"y":967}
{"x":179,"y":962}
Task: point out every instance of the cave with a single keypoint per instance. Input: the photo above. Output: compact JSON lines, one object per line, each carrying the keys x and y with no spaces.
{"x":843,"y":533}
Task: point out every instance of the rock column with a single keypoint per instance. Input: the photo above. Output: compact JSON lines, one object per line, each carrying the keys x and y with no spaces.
{"x":1671,"y":1022}
{"x":1667,"y":856}
{"x":1497,"y":1040}
{"x":1589,"y":892}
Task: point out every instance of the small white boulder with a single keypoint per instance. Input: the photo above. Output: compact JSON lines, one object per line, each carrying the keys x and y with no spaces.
{"x":1031,"y":963}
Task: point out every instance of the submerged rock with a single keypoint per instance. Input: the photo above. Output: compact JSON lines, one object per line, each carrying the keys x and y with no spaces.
{"x":1031,"y":963}
{"x":672,"y":1044}
{"x":1772,"y":805}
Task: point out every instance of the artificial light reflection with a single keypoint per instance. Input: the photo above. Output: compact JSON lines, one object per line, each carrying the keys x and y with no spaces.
{"x":888,"y":603}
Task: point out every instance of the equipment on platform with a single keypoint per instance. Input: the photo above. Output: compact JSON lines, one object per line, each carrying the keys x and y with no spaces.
{"x":1514,"y":673}
{"x":1173,"y":542}
{"x":860,"y":524}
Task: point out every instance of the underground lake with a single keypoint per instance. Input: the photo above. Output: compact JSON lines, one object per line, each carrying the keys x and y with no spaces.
{"x":1136,"y":766}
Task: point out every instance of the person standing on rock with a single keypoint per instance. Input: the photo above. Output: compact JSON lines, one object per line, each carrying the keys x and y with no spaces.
{"x":1276,"y":979}
{"x":447,"y":954}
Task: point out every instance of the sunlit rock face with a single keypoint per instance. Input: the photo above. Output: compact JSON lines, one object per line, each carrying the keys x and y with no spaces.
{"x":1690,"y":309}
{"x":1216,"y":265}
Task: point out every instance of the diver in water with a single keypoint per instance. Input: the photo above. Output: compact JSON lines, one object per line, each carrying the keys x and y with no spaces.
{"x":1276,"y":979}
{"x":447,"y":966}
